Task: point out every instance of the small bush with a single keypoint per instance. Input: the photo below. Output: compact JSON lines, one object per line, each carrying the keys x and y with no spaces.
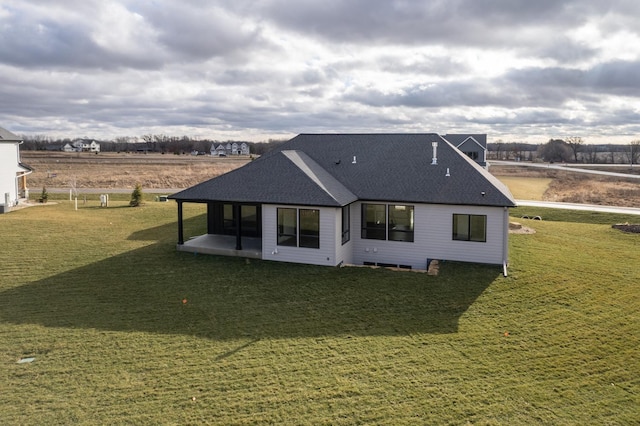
{"x":136,"y":196}
{"x":44,"y":195}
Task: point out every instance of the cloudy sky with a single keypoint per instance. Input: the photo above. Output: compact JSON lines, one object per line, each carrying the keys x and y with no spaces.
{"x":520,"y":70}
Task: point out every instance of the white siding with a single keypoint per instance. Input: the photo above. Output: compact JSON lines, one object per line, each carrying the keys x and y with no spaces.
{"x":344,"y":252}
{"x":325,"y":255}
{"x":8,"y":170}
{"x":433,"y":238}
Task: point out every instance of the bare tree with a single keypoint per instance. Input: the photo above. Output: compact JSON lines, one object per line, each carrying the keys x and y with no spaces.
{"x":575,"y":143}
{"x":591,"y":152}
{"x":499,"y":146}
{"x":633,"y":155}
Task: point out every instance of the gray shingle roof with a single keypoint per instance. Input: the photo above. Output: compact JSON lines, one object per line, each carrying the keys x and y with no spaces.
{"x":6,"y":135}
{"x":337,"y":169}
{"x":457,"y":138}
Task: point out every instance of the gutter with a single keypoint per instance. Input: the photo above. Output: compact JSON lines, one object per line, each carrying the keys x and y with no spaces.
{"x":505,"y":241}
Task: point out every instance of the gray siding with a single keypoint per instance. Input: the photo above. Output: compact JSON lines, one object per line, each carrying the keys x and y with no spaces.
{"x":325,"y":255}
{"x":433,"y":238}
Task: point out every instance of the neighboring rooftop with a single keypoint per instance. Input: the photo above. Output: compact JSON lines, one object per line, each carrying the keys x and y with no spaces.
{"x":6,"y":135}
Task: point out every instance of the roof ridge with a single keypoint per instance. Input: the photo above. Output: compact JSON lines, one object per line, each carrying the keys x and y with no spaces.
{"x":307,"y":165}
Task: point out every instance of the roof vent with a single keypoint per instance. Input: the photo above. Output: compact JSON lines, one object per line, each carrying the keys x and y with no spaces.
{"x":448,"y":174}
{"x":434,"y":160}
{"x":354,"y":160}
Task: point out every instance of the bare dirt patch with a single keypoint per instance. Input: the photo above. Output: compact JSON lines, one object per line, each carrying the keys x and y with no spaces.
{"x":625,"y":227}
{"x":518,"y":228}
{"x":123,"y":171}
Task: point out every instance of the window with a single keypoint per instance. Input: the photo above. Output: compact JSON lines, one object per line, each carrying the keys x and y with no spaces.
{"x":472,"y":154}
{"x":309,"y":227}
{"x":374,"y":222}
{"x":469,"y":227}
{"x":229,"y":223}
{"x":287,"y":227}
{"x":392,"y":222}
{"x":346,"y":224}
{"x":249,"y":219}
{"x":401,"y":223}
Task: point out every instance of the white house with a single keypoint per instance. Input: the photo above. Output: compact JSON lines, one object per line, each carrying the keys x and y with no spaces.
{"x":365,"y":199}
{"x":82,"y":145}
{"x":235,"y":148}
{"x":13,"y":182}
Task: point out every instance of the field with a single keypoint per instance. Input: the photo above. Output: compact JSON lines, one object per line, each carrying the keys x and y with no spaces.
{"x":570,"y":187}
{"x":125,"y":329}
{"x":85,"y":171}
{"x":123,"y":170}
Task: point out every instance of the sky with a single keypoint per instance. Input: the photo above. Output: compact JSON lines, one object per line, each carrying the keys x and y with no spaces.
{"x":517,"y":70}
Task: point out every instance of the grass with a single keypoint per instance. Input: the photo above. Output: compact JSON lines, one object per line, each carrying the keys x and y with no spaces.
{"x":124,"y":329}
{"x":526,"y":188}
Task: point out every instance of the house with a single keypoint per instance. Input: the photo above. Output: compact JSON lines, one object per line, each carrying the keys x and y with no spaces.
{"x":13,"y":181}
{"x":364,"y":199}
{"x":235,"y":148}
{"x":82,"y":145}
{"x":474,"y":146}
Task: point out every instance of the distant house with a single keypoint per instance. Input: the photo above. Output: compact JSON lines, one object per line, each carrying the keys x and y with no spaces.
{"x":82,"y":145}
{"x":365,"y":199}
{"x":13,"y":181}
{"x":474,"y":146}
{"x":235,"y":148}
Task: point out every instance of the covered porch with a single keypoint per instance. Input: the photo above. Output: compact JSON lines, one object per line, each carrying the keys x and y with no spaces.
{"x":233,"y":229}
{"x":224,"y":245}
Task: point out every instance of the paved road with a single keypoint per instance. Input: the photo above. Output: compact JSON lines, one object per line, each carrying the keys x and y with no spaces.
{"x":575,"y":206}
{"x":565,"y":167}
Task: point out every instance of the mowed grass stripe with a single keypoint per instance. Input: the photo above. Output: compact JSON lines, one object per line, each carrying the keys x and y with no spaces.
{"x":101,"y":308}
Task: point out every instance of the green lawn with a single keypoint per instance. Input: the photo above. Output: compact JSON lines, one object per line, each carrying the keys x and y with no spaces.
{"x":125,"y":329}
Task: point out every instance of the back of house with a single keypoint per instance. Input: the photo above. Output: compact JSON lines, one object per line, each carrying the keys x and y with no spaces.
{"x":378,"y":199}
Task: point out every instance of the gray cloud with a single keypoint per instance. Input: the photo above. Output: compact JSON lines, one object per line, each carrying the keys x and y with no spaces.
{"x":198,"y":31}
{"x":505,"y":67}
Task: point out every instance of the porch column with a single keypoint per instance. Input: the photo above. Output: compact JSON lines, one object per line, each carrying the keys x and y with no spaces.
{"x":237,"y":214}
{"x":180,"y":227}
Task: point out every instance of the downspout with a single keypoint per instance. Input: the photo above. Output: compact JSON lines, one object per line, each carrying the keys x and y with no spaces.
{"x":505,"y":241}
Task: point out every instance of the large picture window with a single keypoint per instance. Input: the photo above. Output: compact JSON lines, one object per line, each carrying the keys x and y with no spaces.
{"x":309,"y":228}
{"x":287,"y":227}
{"x":374,"y":221}
{"x":470,"y":227}
{"x":299,"y":227}
{"x":400,"y":223}
{"x":393,"y":222}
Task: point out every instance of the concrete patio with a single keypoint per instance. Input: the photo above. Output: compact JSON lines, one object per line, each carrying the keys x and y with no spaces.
{"x":223,"y":245}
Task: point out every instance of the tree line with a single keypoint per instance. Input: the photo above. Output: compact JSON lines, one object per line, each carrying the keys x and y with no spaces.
{"x":146,"y":143}
{"x":569,"y":150}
